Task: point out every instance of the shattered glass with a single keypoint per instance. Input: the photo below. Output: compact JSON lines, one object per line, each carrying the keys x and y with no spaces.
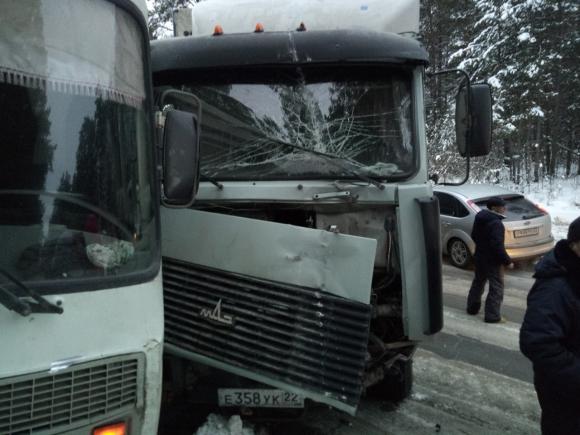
{"x":274,"y":128}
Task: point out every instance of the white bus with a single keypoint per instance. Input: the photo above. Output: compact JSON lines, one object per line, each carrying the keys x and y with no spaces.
{"x":81,"y":310}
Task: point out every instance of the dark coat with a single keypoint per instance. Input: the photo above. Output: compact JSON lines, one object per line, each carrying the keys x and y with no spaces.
{"x":550,"y":338}
{"x":489,"y":236}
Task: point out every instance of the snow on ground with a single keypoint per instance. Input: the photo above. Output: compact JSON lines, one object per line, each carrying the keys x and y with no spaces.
{"x":505,"y":335}
{"x":472,"y":396}
{"x":449,"y":398}
{"x":220,"y":425}
{"x":561,"y":197}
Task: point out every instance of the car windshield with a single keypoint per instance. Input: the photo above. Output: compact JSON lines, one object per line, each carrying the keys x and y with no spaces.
{"x":249,"y":118}
{"x":76,"y":192}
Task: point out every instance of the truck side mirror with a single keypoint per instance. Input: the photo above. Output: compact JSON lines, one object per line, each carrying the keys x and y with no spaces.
{"x":473,"y":120}
{"x":180,"y":158}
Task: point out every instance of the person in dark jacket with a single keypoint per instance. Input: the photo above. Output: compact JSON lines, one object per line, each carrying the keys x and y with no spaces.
{"x":490,"y":258}
{"x":550,"y":335}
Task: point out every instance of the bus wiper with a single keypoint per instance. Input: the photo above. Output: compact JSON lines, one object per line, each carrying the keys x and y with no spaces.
{"x":22,"y":307}
{"x":337,"y":161}
{"x":13,"y":302}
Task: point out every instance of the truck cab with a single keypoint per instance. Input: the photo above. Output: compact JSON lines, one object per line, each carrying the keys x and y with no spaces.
{"x":310,"y":261}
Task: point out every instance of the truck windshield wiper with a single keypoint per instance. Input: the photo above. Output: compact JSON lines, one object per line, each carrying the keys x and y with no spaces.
{"x":339,"y":162}
{"x":213,"y":181}
{"x":14,"y":303}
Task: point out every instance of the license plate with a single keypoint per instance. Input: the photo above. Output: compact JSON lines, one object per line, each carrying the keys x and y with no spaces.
{"x":527,"y":232}
{"x":259,"y":398}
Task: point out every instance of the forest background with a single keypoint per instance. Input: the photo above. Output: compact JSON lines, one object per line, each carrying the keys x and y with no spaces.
{"x":527,"y":50}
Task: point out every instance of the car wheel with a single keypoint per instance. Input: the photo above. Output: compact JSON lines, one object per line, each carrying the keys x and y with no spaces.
{"x":459,"y":253}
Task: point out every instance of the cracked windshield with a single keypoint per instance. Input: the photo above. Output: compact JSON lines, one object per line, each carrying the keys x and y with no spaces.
{"x":75,"y":195}
{"x":277,"y":128}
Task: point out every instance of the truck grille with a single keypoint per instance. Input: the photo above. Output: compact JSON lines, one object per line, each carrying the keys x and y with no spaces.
{"x":46,"y":402}
{"x":299,"y":336}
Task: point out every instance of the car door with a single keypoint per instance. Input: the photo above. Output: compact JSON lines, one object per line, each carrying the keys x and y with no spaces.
{"x":446,"y":208}
{"x":455,"y":219}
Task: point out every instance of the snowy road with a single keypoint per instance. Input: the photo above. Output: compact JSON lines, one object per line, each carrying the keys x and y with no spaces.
{"x":469,"y":379}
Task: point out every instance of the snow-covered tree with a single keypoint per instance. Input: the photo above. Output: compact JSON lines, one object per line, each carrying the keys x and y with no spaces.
{"x":528,"y":51}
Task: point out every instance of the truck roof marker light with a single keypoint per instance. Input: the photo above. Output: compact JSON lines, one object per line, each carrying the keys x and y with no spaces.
{"x":301,"y":27}
{"x":218,"y":30}
{"x":111,"y":429}
{"x":259,"y":28}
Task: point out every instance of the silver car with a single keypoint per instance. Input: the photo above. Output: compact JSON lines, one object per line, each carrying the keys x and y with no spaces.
{"x":528,"y":227}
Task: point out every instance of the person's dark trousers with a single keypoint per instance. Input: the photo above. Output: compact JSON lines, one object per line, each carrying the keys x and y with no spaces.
{"x":494,"y":274}
{"x":559,"y":415}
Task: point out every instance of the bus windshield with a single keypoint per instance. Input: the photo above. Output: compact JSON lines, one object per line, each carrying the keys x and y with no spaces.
{"x":77,"y":204}
{"x":251,"y":119}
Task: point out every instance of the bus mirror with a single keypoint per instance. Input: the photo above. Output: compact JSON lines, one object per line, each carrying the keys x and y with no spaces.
{"x":180,"y":158}
{"x":473,"y":120}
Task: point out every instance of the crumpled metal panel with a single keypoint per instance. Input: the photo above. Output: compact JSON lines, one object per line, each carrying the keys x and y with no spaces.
{"x":335,"y":263}
{"x":367,"y":223}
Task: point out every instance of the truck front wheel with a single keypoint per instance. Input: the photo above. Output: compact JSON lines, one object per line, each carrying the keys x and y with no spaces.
{"x":397,"y":383}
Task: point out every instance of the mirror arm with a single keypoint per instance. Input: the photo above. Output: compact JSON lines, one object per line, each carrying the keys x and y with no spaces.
{"x":468,"y":81}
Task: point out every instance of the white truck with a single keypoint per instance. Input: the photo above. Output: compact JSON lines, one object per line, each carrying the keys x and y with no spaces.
{"x":310,"y":261}
{"x":81,"y":308}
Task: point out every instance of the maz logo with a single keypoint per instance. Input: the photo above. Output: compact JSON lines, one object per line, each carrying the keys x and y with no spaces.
{"x":216,"y":315}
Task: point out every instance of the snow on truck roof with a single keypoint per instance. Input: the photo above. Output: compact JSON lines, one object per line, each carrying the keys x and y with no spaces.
{"x":279,"y":48}
{"x":241,"y":16}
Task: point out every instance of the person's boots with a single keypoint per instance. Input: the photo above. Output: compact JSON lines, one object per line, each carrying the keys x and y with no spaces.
{"x":473,"y":310}
{"x":500,"y":320}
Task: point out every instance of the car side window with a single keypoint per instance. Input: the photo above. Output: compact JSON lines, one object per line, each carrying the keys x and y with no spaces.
{"x":461,"y":210}
{"x":446,"y":206}
{"x":451,"y":206}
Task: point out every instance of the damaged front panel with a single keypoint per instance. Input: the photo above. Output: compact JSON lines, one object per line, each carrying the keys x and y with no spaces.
{"x":335,"y":263}
{"x":284,"y":305}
